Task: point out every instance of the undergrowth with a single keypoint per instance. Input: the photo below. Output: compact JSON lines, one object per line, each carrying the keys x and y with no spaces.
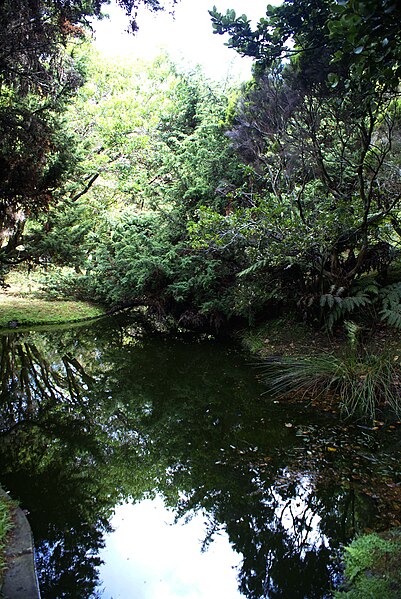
{"x":361,"y":383}
{"x":372,"y":567}
{"x":5,"y":527}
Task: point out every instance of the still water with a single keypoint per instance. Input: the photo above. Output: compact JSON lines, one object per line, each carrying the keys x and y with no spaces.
{"x":155,"y":467}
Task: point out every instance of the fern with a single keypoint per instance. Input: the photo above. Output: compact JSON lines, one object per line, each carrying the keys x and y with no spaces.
{"x":391,"y":305}
{"x":254,"y":267}
{"x":353,"y":333}
{"x":392,"y":317}
{"x":339,"y":307}
{"x":365,"y":292}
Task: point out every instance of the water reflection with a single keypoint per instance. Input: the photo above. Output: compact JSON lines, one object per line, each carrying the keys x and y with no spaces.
{"x":94,"y":416}
{"x":166,"y":559}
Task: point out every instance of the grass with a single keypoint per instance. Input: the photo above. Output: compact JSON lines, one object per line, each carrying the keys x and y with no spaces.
{"x":22,"y":303}
{"x":361,"y":374}
{"x":30,"y":310}
{"x":360,"y":384}
{"x":5,"y":527}
{"x":372,"y":567}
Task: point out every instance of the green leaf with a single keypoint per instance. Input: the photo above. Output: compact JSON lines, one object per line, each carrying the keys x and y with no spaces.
{"x":333,"y":79}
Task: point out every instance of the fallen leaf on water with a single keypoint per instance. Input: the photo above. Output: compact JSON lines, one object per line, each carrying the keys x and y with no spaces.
{"x":331,"y":449}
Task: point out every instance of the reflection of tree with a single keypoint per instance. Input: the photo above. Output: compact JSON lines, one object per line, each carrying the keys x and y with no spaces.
{"x":69,"y":506}
{"x":91,"y":416}
{"x":226,"y":464}
{"x":54,"y":455}
{"x":31,"y":384}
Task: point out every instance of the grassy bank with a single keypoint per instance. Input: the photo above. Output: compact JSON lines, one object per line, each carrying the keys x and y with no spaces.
{"x":18,"y":311}
{"x":356,"y":370}
{"x":5,"y":527}
{"x":23,"y":303}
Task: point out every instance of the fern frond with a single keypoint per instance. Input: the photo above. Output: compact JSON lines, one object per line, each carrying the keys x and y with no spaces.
{"x":392,"y":316}
{"x":352,"y":302}
{"x":339,"y":307}
{"x":391,"y":294}
{"x":391,"y":305}
{"x":254,"y":267}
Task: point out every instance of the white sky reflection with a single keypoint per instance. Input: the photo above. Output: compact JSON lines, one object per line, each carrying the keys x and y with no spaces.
{"x":147,"y":557}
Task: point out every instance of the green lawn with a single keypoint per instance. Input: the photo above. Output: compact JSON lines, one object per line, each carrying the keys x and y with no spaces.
{"x":29,"y":310}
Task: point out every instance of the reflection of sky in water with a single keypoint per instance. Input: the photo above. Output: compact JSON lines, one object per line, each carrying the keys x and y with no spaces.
{"x":148,"y":557}
{"x":300,"y":517}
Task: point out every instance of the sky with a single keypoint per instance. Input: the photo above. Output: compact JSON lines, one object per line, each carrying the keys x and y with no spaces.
{"x":188,"y":36}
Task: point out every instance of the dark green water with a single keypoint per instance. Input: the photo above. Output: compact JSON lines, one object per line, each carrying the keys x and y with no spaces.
{"x":98,"y":415}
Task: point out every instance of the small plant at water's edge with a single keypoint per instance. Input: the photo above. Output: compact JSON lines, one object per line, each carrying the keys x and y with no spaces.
{"x":5,"y":527}
{"x":372,"y":567}
{"x":361,"y":384}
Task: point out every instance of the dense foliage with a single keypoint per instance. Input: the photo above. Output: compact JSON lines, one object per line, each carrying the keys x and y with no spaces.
{"x":39,"y":72}
{"x":203,"y":202}
{"x":152,"y":152}
{"x":320,"y":133}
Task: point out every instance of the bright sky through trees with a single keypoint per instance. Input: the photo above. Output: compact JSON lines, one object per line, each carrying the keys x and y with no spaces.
{"x":188,"y":36}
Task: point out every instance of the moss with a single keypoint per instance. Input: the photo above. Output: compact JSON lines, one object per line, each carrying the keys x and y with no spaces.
{"x":373,"y":567}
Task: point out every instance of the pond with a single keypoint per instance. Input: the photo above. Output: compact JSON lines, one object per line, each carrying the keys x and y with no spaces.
{"x":157,"y":467}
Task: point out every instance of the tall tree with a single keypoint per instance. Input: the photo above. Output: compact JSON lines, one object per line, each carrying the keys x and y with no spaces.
{"x":320,"y":127}
{"x":39,"y":72}
{"x":363,"y":37}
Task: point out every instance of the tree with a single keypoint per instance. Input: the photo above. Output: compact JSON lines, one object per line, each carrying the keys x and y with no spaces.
{"x":360,"y":37}
{"x":39,"y":73}
{"x":321,"y":133}
{"x":152,"y":150}
{"x":33,"y":33}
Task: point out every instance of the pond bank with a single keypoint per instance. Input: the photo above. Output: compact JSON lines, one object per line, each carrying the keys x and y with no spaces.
{"x":19,"y":579}
{"x":19,"y":311}
{"x":289,"y":337}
